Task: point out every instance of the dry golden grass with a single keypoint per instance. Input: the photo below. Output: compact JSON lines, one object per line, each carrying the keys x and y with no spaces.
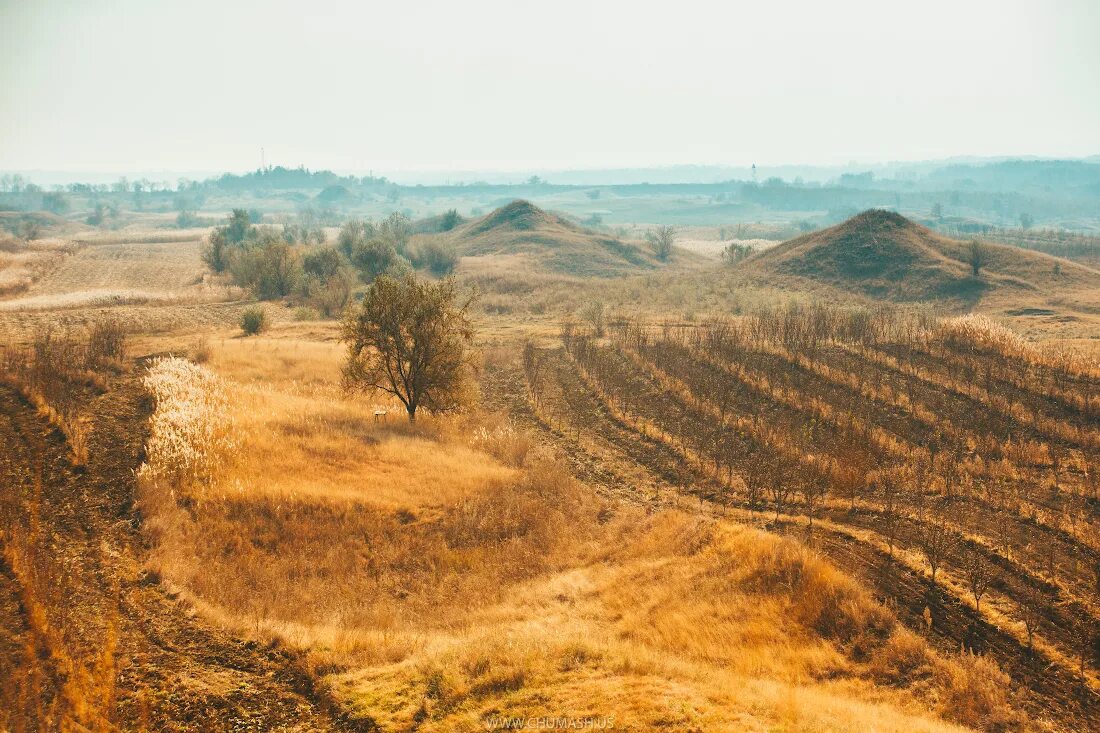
{"x":443,"y":575}
{"x":101,"y":273}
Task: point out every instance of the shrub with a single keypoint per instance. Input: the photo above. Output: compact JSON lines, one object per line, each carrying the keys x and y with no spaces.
{"x":253,"y":320}
{"x":437,"y":256}
{"x":106,"y":343}
{"x":323,"y":262}
{"x":305,"y":314}
{"x":374,"y":257}
{"x":216,"y":251}
{"x":201,"y":351}
{"x":450,"y":220}
{"x":269,"y":267}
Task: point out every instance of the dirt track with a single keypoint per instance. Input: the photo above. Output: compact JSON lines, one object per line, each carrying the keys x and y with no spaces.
{"x":89,"y":641}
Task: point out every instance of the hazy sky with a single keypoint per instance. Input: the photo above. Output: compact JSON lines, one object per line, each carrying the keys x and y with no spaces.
{"x":400,"y":86}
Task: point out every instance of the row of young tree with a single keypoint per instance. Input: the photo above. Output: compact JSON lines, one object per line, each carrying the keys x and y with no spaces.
{"x":806,"y":402}
{"x":296,"y":260}
{"x":757,"y":436}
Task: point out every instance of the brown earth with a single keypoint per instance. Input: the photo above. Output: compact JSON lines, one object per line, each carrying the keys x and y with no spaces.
{"x":88,"y":639}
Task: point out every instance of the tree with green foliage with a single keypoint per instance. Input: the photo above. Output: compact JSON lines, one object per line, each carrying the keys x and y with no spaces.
{"x":238,"y":227}
{"x":374,"y":257}
{"x":216,"y":251}
{"x":734,"y":252}
{"x":396,"y":229}
{"x":411,"y":338}
{"x":353,"y":232}
{"x":267,"y":266}
{"x":323,"y":262}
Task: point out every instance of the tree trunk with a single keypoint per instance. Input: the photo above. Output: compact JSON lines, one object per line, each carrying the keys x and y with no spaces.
{"x":411,"y":409}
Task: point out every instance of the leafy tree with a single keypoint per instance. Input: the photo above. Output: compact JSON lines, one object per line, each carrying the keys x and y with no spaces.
{"x":187,"y":218}
{"x":937,"y":211}
{"x":396,"y":230}
{"x":354,"y":232}
{"x":216,"y":252}
{"x":331,"y":295}
{"x":97,"y":215}
{"x":323,"y":262}
{"x":411,"y":338}
{"x":1026,"y":220}
{"x":239,"y":226}
{"x":267,"y":265}
{"x":374,"y":257}
{"x":661,"y":240}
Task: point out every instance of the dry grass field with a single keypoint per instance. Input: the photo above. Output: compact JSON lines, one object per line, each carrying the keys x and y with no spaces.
{"x":719,"y":506}
{"x":440,"y":575}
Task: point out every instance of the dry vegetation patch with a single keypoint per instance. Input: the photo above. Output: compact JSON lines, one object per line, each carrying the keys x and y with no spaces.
{"x":445,"y":574}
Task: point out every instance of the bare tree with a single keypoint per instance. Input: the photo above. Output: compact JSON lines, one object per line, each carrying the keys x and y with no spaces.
{"x":1033,"y":605}
{"x":533,"y":368}
{"x":814,"y":488}
{"x":891,"y":500}
{"x":1083,"y":631}
{"x":980,"y":574}
{"x":780,"y":488}
{"x":936,"y":541}
{"x":595,"y":313}
{"x":661,"y":239}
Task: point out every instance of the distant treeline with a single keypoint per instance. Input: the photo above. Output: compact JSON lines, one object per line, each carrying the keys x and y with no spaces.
{"x":1057,"y":242}
{"x":1063,"y":194}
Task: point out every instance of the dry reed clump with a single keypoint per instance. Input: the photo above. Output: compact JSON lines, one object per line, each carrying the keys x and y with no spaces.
{"x":190,"y":430}
{"x":57,"y":370}
{"x":501,"y":439}
{"x":978,"y":331}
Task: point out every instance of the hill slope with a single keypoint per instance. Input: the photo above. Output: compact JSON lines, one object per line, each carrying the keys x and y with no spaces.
{"x":881,"y":254}
{"x":549,"y":242}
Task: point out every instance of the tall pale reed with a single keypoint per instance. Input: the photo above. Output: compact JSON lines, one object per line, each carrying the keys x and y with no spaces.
{"x":190,"y":430}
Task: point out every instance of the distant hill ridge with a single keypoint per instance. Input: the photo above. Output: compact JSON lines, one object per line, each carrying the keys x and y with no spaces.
{"x":884,"y":255}
{"x":550,"y":243}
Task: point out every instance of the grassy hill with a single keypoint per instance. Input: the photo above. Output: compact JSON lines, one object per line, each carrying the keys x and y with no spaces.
{"x":883,"y":255}
{"x":548,"y":242}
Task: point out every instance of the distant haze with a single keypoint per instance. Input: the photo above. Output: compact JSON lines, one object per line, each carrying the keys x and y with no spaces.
{"x":406,"y":88}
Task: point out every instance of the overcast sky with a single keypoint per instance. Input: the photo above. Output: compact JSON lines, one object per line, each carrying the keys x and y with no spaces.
{"x":149,"y":85}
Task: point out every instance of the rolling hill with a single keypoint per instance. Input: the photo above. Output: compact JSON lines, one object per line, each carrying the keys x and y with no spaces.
{"x":882,"y":255}
{"x":546,"y":241}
